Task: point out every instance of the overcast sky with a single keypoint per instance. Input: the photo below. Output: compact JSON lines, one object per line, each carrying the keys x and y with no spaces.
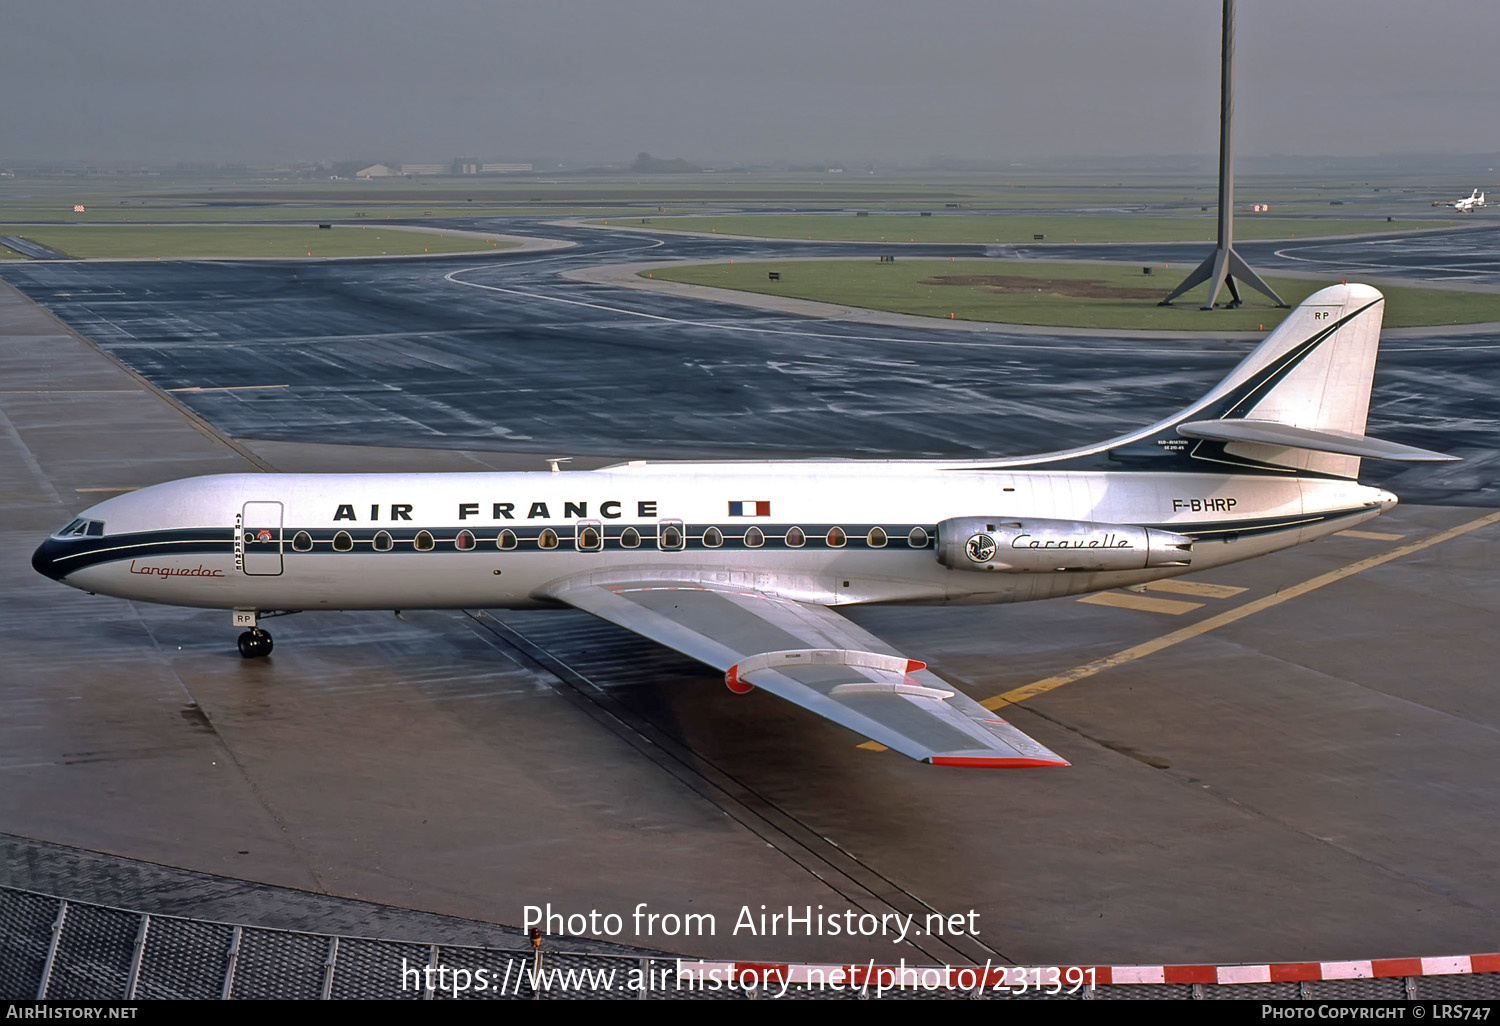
{"x":749,"y":81}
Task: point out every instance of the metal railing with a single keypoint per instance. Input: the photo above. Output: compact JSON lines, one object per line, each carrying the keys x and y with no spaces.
{"x":56,"y":949}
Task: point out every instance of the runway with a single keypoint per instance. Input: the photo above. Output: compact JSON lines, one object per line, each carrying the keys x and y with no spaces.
{"x":1311,"y":781}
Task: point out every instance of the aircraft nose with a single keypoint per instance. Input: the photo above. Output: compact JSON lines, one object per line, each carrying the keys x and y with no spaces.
{"x":45,"y":559}
{"x":1386,"y":499}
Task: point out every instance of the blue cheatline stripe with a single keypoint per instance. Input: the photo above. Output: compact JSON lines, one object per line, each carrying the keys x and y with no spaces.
{"x":75,"y":553}
{"x":84,"y":553}
{"x":115,"y":548}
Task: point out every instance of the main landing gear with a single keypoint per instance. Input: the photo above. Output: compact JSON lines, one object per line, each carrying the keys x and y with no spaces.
{"x":255,"y":643}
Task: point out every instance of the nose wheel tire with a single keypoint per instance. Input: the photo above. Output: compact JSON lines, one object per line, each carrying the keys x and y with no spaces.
{"x":255,"y":644}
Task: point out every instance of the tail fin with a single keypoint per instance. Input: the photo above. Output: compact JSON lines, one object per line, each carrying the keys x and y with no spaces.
{"x":1299,"y":402}
{"x":1315,"y":370}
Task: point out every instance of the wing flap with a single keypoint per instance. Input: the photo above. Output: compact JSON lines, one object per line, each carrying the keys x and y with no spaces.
{"x":813,"y":657}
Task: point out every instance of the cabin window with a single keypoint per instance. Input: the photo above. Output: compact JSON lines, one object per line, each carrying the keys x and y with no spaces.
{"x":669,"y":536}
{"x":754,"y":538}
{"x":423,"y":541}
{"x":588,"y":537}
{"x":630,"y":538}
{"x":381,"y":542}
{"x":507,"y":540}
{"x":464,"y":541}
{"x":876,"y":538}
{"x":302,"y":541}
{"x":547,"y":539}
{"x":917,"y":539}
{"x":836,"y":538}
{"x":342,"y":542}
{"x":713,"y":538}
{"x":795,"y":538}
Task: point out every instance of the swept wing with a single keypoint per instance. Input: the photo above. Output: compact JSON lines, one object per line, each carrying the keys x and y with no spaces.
{"x":815,"y":658}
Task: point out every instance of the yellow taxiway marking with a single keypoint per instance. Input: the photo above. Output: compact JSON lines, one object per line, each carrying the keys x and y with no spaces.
{"x":1223,"y":619}
{"x":122,"y":488}
{"x":873,"y":746}
{"x":1198,"y":588}
{"x":1372,"y":535}
{"x":224,"y":388}
{"x":1127,"y":600}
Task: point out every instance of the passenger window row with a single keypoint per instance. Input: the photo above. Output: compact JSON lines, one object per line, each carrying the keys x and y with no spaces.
{"x":589,"y":538}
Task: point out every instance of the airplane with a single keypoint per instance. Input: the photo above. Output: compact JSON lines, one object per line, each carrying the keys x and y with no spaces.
{"x":744,"y":565}
{"x":1471,"y":203}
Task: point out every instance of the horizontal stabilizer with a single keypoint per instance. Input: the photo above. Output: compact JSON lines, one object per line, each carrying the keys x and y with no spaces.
{"x":1265,"y":432}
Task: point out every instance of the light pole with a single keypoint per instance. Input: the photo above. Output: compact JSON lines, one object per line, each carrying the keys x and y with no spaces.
{"x":1224,"y":265}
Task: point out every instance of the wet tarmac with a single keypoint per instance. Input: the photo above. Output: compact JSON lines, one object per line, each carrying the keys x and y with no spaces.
{"x":1308,"y":782}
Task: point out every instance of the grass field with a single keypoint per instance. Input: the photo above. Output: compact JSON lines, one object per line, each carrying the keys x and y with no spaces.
{"x":1056,"y":294}
{"x":1398,"y":189}
{"x":185,"y":241}
{"x":1010,"y":229}
{"x":161,"y":211}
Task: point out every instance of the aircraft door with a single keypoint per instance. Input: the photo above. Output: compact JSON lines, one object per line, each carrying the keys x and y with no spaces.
{"x":258,"y":543}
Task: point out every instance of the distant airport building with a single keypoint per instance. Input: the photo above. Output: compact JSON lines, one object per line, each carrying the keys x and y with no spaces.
{"x":374,"y":171}
{"x":503,"y":169}
{"x":424,"y":169}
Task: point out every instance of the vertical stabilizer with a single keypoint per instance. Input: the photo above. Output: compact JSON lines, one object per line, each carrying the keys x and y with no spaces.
{"x":1296,"y":405}
{"x":1314,"y":371}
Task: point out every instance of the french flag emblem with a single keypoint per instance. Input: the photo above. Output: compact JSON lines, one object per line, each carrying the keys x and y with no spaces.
{"x":757,"y":508}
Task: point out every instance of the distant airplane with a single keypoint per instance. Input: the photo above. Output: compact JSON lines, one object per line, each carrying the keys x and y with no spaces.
{"x":743,"y":565}
{"x":1471,"y":203}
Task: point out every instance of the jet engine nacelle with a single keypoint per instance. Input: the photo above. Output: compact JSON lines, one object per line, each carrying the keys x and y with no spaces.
{"x":1037,"y":545}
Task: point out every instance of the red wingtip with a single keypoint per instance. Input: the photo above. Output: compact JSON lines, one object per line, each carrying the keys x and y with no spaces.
{"x":992,"y":762}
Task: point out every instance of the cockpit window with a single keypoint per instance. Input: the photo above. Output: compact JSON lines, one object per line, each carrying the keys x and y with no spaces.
{"x":82,"y":528}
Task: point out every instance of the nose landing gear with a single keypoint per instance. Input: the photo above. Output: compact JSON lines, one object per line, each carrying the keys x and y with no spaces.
{"x":255,"y":643}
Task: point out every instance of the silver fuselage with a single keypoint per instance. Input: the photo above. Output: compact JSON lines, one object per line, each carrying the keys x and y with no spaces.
{"x":408,"y":541}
